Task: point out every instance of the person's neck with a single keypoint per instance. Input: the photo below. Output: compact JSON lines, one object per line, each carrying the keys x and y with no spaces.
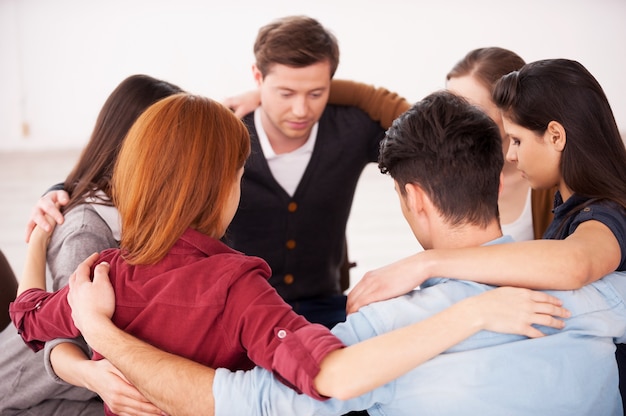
{"x":466,"y":236}
{"x":566,"y":193}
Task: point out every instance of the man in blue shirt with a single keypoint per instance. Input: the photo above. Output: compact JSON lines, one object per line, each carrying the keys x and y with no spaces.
{"x":445,"y":158}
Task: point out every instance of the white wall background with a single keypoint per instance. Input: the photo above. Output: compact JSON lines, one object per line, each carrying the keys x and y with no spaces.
{"x":60,"y":59}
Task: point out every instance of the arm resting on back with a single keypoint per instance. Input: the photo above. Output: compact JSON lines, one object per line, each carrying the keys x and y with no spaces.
{"x":379,"y":103}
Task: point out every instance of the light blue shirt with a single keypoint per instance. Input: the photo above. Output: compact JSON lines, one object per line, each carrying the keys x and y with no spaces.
{"x":571,"y":372}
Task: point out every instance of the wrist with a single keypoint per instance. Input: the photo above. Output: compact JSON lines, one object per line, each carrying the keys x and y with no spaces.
{"x":84,"y":371}
{"x":68,"y":362}
{"x":97,"y":331}
{"x":473,"y":314}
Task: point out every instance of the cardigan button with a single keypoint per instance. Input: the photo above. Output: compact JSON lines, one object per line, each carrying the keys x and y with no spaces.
{"x":281,"y":334}
{"x":288,"y":279}
{"x":291,"y":244}
{"x":292,"y":207}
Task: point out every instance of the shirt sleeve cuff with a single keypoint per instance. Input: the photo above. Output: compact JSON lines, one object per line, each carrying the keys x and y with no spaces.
{"x":297,"y":360}
{"x":26,"y":302}
{"x":79,"y":342}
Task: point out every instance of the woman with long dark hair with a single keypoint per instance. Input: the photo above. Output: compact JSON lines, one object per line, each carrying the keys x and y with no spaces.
{"x":91,"y":224}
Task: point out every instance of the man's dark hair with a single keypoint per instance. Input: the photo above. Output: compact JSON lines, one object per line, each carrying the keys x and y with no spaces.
{"x":453,"y":151}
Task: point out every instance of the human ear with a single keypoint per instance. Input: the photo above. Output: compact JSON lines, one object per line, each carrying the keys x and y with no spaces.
{"x":414,"y":197}
{"x":556,"y":135}
{"x":258,"y":76}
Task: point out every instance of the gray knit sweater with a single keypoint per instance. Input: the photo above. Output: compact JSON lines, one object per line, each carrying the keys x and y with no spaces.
{"x":25,"y":388}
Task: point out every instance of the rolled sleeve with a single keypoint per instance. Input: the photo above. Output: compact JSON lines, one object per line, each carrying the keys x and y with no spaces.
{"x":79,"y":342}
{"x":40,"y":316}
{"x":299,"y":355}
{"x":27,"y":302}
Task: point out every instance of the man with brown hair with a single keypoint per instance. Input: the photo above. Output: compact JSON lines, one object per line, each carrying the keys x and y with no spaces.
{"x":306,"y":160}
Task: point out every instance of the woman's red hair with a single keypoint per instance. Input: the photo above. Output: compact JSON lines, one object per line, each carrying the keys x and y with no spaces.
{"x":175,"y":170}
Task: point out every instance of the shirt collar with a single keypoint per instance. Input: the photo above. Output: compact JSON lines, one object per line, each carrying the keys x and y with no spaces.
{"x":561,"y":208}
{"x":198,"y":241}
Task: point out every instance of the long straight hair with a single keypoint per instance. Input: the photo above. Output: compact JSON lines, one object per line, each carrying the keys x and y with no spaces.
{"x":92,"y":173}
{"x":593,"y":162}
{"x":175,"y":171}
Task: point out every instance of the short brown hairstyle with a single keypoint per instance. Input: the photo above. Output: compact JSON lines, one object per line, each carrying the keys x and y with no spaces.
{"x":175,"y":171}
{"x":295,"y":41}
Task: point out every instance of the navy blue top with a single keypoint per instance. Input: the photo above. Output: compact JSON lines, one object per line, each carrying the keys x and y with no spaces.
{"x":577,"y":209}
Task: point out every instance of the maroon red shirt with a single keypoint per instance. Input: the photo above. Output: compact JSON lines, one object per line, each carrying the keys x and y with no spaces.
{"x":203,"y":301}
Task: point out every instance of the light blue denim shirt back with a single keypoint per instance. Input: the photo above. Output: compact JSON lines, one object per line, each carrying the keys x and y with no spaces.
{"x":571,"y":372}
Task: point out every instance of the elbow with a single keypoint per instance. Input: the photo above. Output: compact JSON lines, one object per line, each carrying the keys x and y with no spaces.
{"x":343,"y":392}
{"x":336,"y":376}
{"x":346,"y":396}
{"x":577,"y":282}
{"x":575,"y":278}
{"x":581,"y":272}
{"x":337,"y":388}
